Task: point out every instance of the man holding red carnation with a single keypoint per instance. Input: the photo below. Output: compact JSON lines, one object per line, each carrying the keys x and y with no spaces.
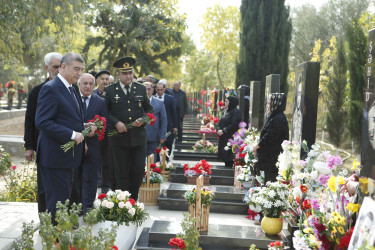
{"x":127,"y":102}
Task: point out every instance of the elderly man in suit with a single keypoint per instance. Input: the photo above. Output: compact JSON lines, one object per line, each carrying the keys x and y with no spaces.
{"x":170,"y":109}
{"x":52,"y":66}
{"x":127,"y":103}
{"x":156,"y":133}
{"x":92,"y":105}
{"x":102,"y":79}
{"x":59,"y":118}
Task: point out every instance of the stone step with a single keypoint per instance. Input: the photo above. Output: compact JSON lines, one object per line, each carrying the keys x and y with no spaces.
{"x":216,"y":170}
{"x":217,"y":206}
{"x":215,"y":180}
{"x":217,"y":237}
{"x":222,"y":193}
{"x":194,"y":156}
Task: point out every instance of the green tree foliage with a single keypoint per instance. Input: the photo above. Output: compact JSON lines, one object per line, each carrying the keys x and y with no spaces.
{"x":264,"y":42}
{"x":220,"y":37}
{"x":150,"y":30}
{"x":337,"y":114}
{"x":357,"y":43}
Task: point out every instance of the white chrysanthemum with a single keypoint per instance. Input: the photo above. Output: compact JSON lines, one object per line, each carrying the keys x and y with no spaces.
{"x":110,"y":193}
{"x":278,"y":203}
{"x":226,"y":148}
{"x":229,"y":144}
{"x":271,"y":193}
{"x":121,"y":197}
{"x":121,"y":204}
{"x":268,"y":204}
{"x":97,"y":203}
{"x":126,"y":194}
{"x":117,"y":191}
{"x":104,"y":203}
{"x":128,"y":205}
{"x":141,"y":206}
{"x":110,"y":204}
{"x":322,"y":167}
{"x":132,"y":211}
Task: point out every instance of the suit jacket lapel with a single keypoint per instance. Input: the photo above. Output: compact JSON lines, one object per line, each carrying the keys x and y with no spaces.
{"x":132,"y":91}
{"x":65,"y":92}
{"x":90,"y":108}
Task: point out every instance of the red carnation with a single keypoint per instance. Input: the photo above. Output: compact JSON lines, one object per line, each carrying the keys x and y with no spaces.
{"x":306,"y":204}
{"x":132,"y":201}
{"x":157,"y":170}
{"x":272,"y":244}
{"x":164,"y":148}
{"x":177,"y":242}
{"x":157,"y":150}
{"x":303,"y":188}
{"x":221,"y":103}
{"x":278,"y":244}
{"x":186,"y":167}
{"x":242,"y":149}
{"x":298,"y":199}
{"x":115,"y":247}
{"x":153,"y":165}
{"x":101,"y":196}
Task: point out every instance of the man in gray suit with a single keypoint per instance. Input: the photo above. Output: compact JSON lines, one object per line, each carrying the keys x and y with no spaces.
{"x":156,"y":133}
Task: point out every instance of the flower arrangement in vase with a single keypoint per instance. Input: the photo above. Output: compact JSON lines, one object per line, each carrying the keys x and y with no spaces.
{"x":201,"y":168}
{"x":272,"y":199}
{"x":205,"y":146}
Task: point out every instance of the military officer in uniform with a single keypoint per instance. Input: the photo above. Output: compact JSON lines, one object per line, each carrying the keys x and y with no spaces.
{"x":127,"y":103}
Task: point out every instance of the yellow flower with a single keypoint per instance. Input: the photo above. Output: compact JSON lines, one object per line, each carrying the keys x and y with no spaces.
{"x":332,"y":183}
{"x":337,"y":241}
{"x":341,"y":180}
{"x":355,"y":165}
{"x":308,"y":230}
{"x":353,"y":207}
{"x":334,"y":230}
{"x":341,"y":230}
{"x":334,"y":214}
{"x":363,"y":184}
{"x":284,"y":173}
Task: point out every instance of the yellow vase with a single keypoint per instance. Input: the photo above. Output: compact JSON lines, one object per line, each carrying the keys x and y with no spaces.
{"x":271,"y":226}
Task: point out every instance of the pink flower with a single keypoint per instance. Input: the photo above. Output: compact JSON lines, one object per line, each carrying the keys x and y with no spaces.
{"x":302,"y":163}
{"x":315,"y":204}
{"x":323,"y":179}
{"x":14,"y":167}
{"x":333,"y":161}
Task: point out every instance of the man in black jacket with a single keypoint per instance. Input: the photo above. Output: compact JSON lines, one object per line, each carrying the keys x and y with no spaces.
{"x":180,"y":100}
{"x":52,"y":66}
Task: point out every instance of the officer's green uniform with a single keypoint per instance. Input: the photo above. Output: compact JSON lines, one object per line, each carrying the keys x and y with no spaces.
{"x":128,"y":148}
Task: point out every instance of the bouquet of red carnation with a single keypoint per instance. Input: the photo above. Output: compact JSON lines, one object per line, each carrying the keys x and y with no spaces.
{"x":149,"y":119}
{"x":100,"y":124}
{"x":201,"y":168}
{"x":177,"y":242}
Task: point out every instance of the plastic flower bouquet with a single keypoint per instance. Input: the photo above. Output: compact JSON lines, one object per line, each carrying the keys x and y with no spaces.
{"x":206,"y":196}
{"x":118,"y":206}
{"x":272,"y":199}
{"x":155,"y":175}
{"x":201,"y":168}
{"x":245,"y":175}
{"x":205,"y":146}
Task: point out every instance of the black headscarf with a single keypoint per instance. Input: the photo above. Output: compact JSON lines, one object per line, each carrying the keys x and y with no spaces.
{"x":277,"y":102}
{"x":233,"y":102}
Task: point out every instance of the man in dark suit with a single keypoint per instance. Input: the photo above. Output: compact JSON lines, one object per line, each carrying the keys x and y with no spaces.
{"x":59,"y":118}
{"x":156,"y":133}
{"x":106,"y":171}
{"x":127,"y":103}
{"x":180,"y":100}
{"x":170,"y":109}
{"x":92,"y":105}
{"x":52,"y":66}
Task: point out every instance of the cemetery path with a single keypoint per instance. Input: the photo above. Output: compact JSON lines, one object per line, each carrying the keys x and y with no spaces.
{"x":12,"y":126}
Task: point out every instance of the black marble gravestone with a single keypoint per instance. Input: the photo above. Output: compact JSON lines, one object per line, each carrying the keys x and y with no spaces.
{"x":254,"y":104}
{"x":305,"y":106}
{"x":272,"y":86}
{"x":244,"y":98}
{"x":368,"y":133}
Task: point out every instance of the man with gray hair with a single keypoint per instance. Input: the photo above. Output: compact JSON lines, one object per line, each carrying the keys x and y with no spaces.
{"x":52,"y":66}
{"x":59,"y":118}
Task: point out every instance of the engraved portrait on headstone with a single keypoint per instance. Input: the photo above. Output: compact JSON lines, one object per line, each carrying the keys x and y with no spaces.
{"x":297,"y":112}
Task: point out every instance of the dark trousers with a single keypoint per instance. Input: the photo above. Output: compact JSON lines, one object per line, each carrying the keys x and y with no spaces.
{"x":151,"y":146}
{"x":108,"y":179}
{"x":57,"y":184}
{"x":89,"y":182}
{"x":129,"y":167}
{"x":169,"y":141}
{"x":41,"y":193}
{"x":180,"y":121}
{"x":270,"y":175}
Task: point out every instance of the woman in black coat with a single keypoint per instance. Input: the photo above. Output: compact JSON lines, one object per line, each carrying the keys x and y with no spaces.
{"x":227,"y":126}
{"x":272,"y":135}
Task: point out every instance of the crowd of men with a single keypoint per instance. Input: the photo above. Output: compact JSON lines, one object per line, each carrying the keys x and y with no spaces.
{"x":59,"y":109}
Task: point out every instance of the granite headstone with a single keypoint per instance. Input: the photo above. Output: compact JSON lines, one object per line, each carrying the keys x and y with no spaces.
{"x":244,"y":99}
{"x":272,"y":86}
{"x":305,"y":106}
{"x":254,"y":104}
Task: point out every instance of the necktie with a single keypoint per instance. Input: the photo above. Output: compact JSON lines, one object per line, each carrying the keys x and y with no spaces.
{"x":84,"y":103}
{"x":127,"y":89}
{"x":73,"y":96}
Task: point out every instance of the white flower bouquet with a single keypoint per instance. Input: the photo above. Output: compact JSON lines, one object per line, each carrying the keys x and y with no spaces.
{"x":119,"y":207}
